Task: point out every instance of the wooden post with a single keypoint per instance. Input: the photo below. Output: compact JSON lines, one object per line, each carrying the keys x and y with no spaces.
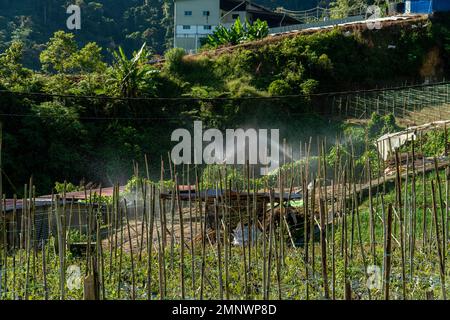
{"x":91,"y":283}
{"x":324,"y":250}
{"x":387,"y":253}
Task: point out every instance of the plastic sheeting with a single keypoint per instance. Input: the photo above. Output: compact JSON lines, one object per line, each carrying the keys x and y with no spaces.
{"x":392,"y":141}
{"x":419,"y":6}
{"x":388,"y":143}
{"x":441,"y":5}
{"x":426,"y":6}
{"x":239,"y":239}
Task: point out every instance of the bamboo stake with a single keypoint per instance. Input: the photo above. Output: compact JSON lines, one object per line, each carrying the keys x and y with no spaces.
{"x":324,"y":250}
{"x":14,"y":245}
{"x":279,"y":254}
{"x":5,"y":245}
{"x":264,"y":248}
{"x":119,"y":282}
{"x":27,"y":241}
{"x":133,"y":290}
{"x":413,"y":222}
{"x":269,"y":263}
{"x":312,"y":227}
{"x":387,"y":254}
{"x":438,"y":242}
{"x":191,"y":230}
{"x":219,"y":255}
{"x":244,"y":258}
{"x":424,"y":204}
{"x":60,"y":251}
{"x":371,"y":216}
{"x":347,"y":286}
{"x":227,"y":237}
{"x":44,"y":271}
{"x":333,"y":244}
{"x":442,"y":207}
{"x":161,"y":265}
{"x":306,"y":234}
{"x":182,"y":244}
{"x":399,"y":206}
{"x":151,"y":219}
{"x":202,"y":271}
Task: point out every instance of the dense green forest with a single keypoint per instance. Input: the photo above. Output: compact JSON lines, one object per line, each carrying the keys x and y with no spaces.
{"x":108,"y":23}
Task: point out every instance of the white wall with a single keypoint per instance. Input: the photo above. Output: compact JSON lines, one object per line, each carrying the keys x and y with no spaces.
{"x":197,"y":7}
{"x":197,"y":22}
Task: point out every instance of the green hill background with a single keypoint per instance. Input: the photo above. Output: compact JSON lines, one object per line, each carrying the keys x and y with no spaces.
{"x":109,"y":23}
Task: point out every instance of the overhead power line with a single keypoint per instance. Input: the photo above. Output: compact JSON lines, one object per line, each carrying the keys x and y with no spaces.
{"x":186,"y":98}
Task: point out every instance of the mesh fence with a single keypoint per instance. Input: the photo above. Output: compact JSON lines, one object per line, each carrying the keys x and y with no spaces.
{"x":420,"y":103}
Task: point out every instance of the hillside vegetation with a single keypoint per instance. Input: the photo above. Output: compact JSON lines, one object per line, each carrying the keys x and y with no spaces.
{"x":108,"y":23}
{"x":341,"y":58}
{"x":73,"y":137}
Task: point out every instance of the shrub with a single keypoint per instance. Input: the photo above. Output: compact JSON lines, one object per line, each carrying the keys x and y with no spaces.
{"x":239,"y":32}
{"x":280,"y":88}
{"x":309,"y":86}
{"x":61,"y":187}
{"x":434,"y":143}
{"x":258,"y":30}
{"x":174,"y":60}
{"x":379,"y":125}
{"x":214,"y":172}
{"x":242,"y":88}
{"x":325,"y":63}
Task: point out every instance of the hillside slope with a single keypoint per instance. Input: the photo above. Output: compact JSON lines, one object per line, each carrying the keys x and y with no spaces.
{"x":96,"y":133}
{"x":333,"y":59}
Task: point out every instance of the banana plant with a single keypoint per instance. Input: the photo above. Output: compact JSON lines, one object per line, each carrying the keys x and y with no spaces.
{"x":239,"y":32}
{"x":132,"y":76}
{"x":258,"y":30}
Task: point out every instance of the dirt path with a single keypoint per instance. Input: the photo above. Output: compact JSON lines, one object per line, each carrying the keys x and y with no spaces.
{"x":139,"y":234}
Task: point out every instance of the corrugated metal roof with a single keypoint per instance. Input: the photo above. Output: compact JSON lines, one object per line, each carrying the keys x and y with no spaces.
{"x":46,"y":200}
{"x":254,"y":8}
{"x":81,"y":195}
{"x":38,"y":202}
{"x":212,"y":193}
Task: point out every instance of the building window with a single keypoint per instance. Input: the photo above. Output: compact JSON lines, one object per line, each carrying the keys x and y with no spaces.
{"x":186,"y":27}
{"x":206,"y":13}
{"x":188,"y":13}
{"x":207,"y":27}
{"x":235,"y":16}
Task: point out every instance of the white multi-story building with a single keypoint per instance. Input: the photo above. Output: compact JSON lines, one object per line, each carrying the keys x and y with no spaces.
{"x":196,"y":19}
